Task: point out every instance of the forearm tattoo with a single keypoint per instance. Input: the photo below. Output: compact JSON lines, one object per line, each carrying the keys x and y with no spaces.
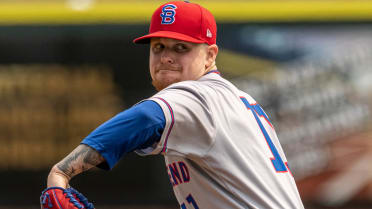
{"x":79,"y":160}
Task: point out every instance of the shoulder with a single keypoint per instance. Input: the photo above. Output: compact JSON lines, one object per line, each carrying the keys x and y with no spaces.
{"x":205,"y":91}
{"x":146,"y":109}
{"x":185,"y":96}
{"x":205,"y":85}
{"x":183,"y":91}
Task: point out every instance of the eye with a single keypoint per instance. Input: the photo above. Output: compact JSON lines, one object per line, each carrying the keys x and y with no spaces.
{"x":156,"y":48}
{"x":181,"y":48}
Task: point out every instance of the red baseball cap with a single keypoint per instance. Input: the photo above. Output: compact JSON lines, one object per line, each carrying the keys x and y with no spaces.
{"x":182,"y":21}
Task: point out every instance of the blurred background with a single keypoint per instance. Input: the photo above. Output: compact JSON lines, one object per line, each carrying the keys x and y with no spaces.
{"x":66,"y":66}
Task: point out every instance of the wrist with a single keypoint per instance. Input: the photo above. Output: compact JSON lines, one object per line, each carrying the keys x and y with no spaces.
{"x":57,"y":178}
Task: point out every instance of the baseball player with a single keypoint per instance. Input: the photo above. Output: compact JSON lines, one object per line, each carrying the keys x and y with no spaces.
{"x":220,"y":148}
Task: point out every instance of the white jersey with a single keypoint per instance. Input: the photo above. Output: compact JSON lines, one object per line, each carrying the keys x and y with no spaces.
{"x":220,"y":148}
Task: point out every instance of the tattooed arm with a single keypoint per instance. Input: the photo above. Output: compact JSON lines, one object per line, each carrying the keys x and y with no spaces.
{"x":80,"y":159}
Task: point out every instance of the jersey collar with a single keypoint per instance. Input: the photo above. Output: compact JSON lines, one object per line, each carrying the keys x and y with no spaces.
{"x":213,"y":71}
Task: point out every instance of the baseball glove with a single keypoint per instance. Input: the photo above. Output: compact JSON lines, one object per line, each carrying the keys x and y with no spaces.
{"x":59,"y":198}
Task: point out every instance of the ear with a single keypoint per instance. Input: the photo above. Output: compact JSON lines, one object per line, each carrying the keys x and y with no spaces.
{"x":212,"y":51}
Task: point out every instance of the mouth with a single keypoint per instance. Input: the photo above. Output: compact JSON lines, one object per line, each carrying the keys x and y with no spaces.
{"x":167,"y":70}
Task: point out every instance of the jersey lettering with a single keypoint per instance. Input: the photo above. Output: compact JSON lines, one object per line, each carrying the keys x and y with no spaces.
{"x":170,"y":176}
{"x":175,"y":173}
{"x":257,"y":111}
{"x":178,"y":173}
{"x":184,"y":171}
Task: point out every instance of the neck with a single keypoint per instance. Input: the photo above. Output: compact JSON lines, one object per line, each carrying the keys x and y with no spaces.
{"x":210,"y":68}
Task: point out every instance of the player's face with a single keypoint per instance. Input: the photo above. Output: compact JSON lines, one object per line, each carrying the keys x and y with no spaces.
{"x":173,"y":61}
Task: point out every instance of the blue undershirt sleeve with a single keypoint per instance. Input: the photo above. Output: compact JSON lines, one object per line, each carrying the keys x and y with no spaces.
{"x":135,"y":128}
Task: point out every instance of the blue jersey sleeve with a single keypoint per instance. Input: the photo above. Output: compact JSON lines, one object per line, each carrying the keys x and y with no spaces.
{"x":135,"y":128}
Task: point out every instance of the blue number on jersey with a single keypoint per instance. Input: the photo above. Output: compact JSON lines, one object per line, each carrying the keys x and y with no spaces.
{"x":191,"y":200}
{"x":257,"y":111}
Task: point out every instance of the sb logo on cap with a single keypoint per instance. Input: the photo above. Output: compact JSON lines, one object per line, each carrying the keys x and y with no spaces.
{"x":167,"y":16}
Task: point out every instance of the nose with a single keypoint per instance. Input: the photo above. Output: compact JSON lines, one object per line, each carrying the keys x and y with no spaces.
{"x":166,"y":58}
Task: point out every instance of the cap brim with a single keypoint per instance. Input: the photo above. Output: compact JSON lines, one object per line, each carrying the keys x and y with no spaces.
{"x":166,"y":34}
